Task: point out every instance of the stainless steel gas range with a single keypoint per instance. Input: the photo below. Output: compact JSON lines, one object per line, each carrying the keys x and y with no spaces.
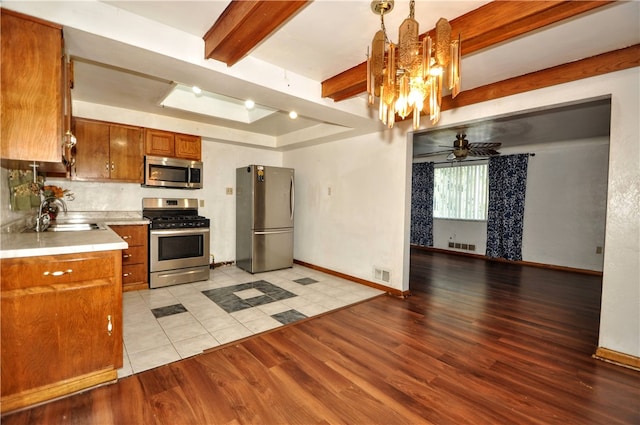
{"x":178,"y":241}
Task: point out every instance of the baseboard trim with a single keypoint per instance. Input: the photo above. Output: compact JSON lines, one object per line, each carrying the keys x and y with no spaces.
{"x":390,"y":291}
{"x":502,"y":260}
{"x":616,"y":357}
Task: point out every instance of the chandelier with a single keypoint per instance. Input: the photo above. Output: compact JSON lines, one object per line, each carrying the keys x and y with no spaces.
{"x":406,"y":75}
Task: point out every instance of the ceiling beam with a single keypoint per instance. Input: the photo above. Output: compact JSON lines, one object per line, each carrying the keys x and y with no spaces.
{"x":483,"y":27}
{"x":243,"y":25}
{"x":616,"y":60}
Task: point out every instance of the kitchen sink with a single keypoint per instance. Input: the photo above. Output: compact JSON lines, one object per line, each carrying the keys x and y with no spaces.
{"x":75,"y":227}
{"x":72,"y":227}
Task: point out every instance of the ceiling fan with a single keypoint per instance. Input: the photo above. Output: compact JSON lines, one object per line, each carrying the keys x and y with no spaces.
{"x":462,"y":148}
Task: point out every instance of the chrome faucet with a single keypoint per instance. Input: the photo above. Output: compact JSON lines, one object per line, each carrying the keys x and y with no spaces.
{"x":43,"y":220}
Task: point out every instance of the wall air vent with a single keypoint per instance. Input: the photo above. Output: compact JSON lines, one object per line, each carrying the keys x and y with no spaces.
{"x":462,"y":246}
{"x":382,"y":275}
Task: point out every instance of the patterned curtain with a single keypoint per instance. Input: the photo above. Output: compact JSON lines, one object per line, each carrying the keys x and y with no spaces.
{"x":507,"y":186}
{"x":422,"y":204}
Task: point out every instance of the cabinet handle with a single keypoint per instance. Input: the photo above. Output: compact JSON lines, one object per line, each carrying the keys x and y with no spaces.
{"x":57,"y":273}
{"x":109,"y":325}
{"x":126,"y":274}
{"x":125,"y":237}
{"x":106,"y":166}
{"x":113,"y":167}
{"x":127,"y":255}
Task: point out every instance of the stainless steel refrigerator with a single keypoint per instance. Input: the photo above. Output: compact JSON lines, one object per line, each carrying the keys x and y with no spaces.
{"x":264,"y":218}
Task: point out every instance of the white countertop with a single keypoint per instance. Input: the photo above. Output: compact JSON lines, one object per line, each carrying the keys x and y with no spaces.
{"x":34,"y":244}
{"x":15,"y":243}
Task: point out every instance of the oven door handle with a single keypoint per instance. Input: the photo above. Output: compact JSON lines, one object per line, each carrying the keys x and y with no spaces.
{"x":167,"y":232}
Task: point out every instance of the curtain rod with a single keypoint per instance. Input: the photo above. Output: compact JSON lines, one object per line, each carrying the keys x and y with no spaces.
{"x":472,"y":160}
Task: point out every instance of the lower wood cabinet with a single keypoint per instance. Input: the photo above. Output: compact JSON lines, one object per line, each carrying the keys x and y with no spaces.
{"x":135,"y":261}
{"x":61,"y":325}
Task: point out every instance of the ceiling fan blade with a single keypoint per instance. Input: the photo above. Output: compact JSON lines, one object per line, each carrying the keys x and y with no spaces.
{"x":484,"y":145}
{"x":422,"y":155}
{"x":483,"y":152}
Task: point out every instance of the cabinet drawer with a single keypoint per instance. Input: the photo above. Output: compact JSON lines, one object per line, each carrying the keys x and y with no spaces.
{"x":134,"y":273}
{"x":134,"y":255}
{"x":134,"y":235}
{"x":29,"y":272}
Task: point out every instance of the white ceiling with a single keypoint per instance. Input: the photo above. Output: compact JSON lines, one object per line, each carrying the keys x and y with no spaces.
{"x":323,"y":39}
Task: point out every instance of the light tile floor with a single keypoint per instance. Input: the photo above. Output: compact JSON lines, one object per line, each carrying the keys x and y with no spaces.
{"x":164,"y":325}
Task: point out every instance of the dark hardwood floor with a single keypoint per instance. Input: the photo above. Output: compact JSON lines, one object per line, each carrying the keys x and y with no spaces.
{"x":477,"y":343}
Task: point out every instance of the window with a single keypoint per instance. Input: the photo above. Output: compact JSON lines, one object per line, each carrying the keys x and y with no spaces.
{"x":461,"y":192}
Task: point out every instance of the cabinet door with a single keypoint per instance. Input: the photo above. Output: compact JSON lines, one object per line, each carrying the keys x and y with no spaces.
{"x":188,"y":146}
{"x":56,"y":333}
{"x":126,"y":153}
{"x":32,"y":89}
{"x":56,"y":312}
{"x":159,"y":143}
{"x":92,"y":150}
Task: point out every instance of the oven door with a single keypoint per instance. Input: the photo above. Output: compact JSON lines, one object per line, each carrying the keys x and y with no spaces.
{"x":178,"y":249}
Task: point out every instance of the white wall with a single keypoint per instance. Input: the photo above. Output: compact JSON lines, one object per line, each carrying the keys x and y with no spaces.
{"x":360,"y":225}
{"x":565,"y":207}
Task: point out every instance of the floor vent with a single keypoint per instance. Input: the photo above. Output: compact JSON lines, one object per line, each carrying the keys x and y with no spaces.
{"x":382,"y":275}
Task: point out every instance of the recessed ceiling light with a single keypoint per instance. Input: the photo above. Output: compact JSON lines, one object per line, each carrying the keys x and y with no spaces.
{"x":249,"y":104}
{"x":293,"y":115}
{"x":196,"y":89}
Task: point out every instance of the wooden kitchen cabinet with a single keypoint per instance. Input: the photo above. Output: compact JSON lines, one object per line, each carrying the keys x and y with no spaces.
{"x":135,"y":260}
{"x":159,"y":143}
{"x":172,"y":145}
{"x":61,"y":325}
{"x":188,"y":146}
{"x":108,"y":151}
{"x":32,"y":89}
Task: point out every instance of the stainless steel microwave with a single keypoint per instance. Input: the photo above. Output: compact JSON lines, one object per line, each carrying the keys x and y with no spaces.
{"x":172,"y":173}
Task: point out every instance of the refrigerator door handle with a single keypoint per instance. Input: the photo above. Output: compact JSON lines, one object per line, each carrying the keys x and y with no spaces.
{"x":273,"y":232}
{"x":292,"y":198}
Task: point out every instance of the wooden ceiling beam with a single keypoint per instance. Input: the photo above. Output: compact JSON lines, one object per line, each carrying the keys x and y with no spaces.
{"x":616,"y":60}
{"x":244,"y":24}
{"x":486,"y":26}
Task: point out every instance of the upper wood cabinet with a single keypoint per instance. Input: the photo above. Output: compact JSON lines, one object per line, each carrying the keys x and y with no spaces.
{"x":32,"y":88}
{"x":172,"y":145}
{"x":107,"y":151}
{"x":159,"y":143}
{"x":188,"y":147}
